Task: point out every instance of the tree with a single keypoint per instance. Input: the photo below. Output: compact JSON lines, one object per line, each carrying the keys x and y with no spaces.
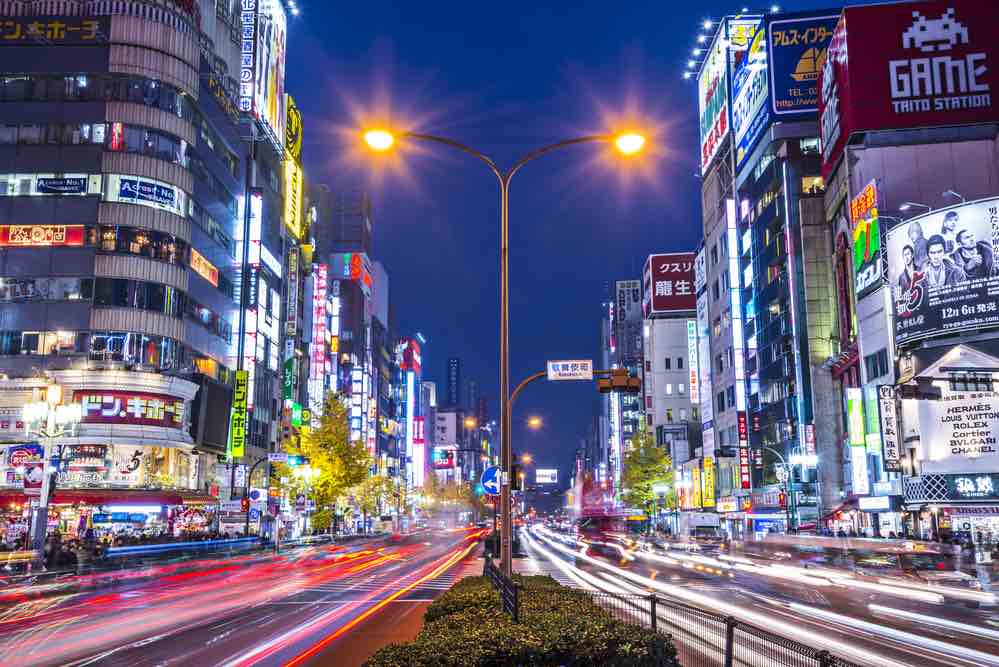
{"x":341,"y":464}
{"x":645,"y":465}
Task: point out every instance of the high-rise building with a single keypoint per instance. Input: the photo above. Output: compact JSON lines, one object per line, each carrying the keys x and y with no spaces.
{"x":788,"y":297}
{"x":912,"y":204}
{"x":121,"y":219}
{"x":626,"y":414}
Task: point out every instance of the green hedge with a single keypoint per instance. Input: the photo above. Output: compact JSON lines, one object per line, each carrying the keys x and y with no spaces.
{"x":467,"y":627}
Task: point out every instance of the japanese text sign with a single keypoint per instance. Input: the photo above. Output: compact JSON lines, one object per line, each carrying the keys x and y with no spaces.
{"x":237,"y":425}
{"x":890,"y":438}
{"x":669,"y":283}
{"x":47,"y":30}
{"x":126,"y":407}
{"x":576,"y":369}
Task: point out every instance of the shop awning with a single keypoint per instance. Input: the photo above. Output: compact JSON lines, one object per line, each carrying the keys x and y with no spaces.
{"x":849,"y":504}
{"x":101,"y":497}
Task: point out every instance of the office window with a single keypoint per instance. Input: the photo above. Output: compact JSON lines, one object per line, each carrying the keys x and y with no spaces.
{"x":726,"y":284}
{"x":714,"y":255}
{"x":723,"y":243}
{"x":669,"y":389}
{"x":683,"y":414}
{"x":877,"y":364}
{"x":731,"y":396}
{"x":714,"y":291}
{"x":731,"y":356}
{"x":669,"y":415}
{"x":679,"y":363}
{"x":667,"y":363}
{"x":720,"y":398}
{"x":681,"y":389}
{"x":720,"y":362}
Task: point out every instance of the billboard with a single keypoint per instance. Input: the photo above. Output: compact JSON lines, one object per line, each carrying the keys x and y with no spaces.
{"x":41,"y":235}
{"x":712,"y":83}
{"x":797,"y":51}
{"x":669,"y":284}
{"x":204,"y":268}
{"x":867,"y":264}
{"x":293,"y":129}
{"x":916,"y":64}
{"x":546,"y":476}
{"x":263,"y":44}
{"x":942,"y":272}
{"x":444,"y":458}
{"x":958,"y":433}
{"x":294,"y":220}
{"x":749,"y":98}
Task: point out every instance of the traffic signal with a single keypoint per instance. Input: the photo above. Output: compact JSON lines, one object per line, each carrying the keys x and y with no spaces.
{"x":515,"y":479}
{"x":619,"y":380}
{"x":244,"y":504}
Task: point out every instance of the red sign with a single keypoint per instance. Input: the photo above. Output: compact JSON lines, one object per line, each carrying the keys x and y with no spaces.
{"x":41,"y":235}
{"x":745,"y":474}
{"x":319,"y":292}
{"x":419,"y":430}
{"x":411,"y":360}
{"x":126,"y":407}
{"x":668,"y":283}
{"x":743,"y":429}
{"x":915,"y":64}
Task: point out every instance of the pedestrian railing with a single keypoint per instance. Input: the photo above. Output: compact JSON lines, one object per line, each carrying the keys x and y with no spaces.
{"x":505,"y":586}
{"x":702,"y":638}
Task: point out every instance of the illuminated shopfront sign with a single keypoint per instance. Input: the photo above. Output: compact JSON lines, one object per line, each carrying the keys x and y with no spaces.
{"x":204,"y":268}
{"x":126,"y":407}
{"x":41,"y":235}
{"x":237,"y":424}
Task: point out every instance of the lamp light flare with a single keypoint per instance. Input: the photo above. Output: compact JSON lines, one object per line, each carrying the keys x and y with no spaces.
{"x":686,"y":75}
{"x":630,"y":143}
{"x":696,"y":52}
{"x":379,"y":140}
{"x":691,"y":63}
{"x":701,"y":39}
{"x":707,"y":24}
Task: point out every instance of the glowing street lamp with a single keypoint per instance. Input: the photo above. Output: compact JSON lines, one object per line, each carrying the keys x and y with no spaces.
{"x":527,"y":459}
{"x":471,"y":422}
{"x":381,"y":140}
{"x":534,"y":422}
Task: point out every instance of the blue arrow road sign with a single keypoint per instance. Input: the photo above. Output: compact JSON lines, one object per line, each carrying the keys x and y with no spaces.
{"x":491,"y":480}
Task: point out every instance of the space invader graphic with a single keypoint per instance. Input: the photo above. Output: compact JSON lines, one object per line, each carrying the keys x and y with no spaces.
{"x":929,"y":35}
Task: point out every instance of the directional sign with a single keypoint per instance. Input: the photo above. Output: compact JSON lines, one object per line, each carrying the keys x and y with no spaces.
{"x":570,"y":369}
{"x":491,"y":480}
{"x":279,"y":457}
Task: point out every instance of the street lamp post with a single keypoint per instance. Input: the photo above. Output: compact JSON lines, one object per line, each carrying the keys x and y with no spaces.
{"x":627,"y":143}
{"x":49,"y":420}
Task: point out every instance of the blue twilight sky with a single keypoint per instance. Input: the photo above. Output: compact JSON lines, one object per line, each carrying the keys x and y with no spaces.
{"x":505,"y":82}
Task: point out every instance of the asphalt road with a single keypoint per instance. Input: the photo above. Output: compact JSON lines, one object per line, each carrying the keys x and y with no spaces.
{"x":877,"y":622}
{"x":257,"y":610}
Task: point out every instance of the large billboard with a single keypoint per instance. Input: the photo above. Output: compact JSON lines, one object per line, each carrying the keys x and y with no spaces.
{"x":712,"y":84}
{"x":546,"y":476}
{"x":669,"y":284}
{"x":914,"y":64}
{"x":942,"y":271}
{"x":867,"y":264}
{"x":797,"y":51}
{"x":749,"y":98}
{"x":263,"y":48}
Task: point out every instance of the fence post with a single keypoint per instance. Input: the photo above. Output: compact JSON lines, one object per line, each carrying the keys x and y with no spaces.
{"x":825,"y":658}
{"x":652,"y":607}
{"x":730,"y":623}
{"x":516,"y":602}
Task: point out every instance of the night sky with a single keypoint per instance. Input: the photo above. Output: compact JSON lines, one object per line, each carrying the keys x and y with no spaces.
{"x":506,"y":84}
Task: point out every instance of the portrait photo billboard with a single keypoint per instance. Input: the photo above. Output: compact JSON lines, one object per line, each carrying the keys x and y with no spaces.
{"x":942,"y":271}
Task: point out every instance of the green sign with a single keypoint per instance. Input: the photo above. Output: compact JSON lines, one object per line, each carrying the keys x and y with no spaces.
{"x":296,"y":415}
{"x":288,"y":379}
{"x":855,"y":416}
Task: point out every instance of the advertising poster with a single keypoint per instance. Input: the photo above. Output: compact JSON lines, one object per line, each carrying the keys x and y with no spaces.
{"x":269,"y":63}
{"x":797,"y":52}
{"x":867,"y":264}
{"x":669,"y":283}
{"x":924,"y":64}
{"x":960,"y":434}
{"x":749,"y":98}
{"x":942,"y":271}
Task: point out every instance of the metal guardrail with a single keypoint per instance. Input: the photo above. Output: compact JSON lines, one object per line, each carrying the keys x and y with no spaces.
{"x":702,"y":638}
{"x":508,"y":590}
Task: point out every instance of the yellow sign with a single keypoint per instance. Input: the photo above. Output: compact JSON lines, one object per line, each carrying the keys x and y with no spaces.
{"x":237,"y":423}
{"x":708,"y":482}
{"x":293,"y":130}
{"x":293,"y":199}
{"x":695,"y":488}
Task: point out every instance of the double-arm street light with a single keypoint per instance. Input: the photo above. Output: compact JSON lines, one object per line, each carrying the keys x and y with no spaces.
{"x":627,"y":143}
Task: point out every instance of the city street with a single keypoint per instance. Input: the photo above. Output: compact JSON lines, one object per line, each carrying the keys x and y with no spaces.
{"x":256,"y":610}
{"x":883,"y":624}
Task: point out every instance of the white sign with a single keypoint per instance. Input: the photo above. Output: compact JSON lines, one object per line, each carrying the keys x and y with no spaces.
{"x":574,"y":369}
{"x":874,"y":503}
{"x":231,"y":506}
{"x":890,"y":438}
{"x":692,"y":361}
{"x":546,"y":476}
{"x":277,"y":457}
{"x":959,"y":434}
{"x":858,"y":464}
